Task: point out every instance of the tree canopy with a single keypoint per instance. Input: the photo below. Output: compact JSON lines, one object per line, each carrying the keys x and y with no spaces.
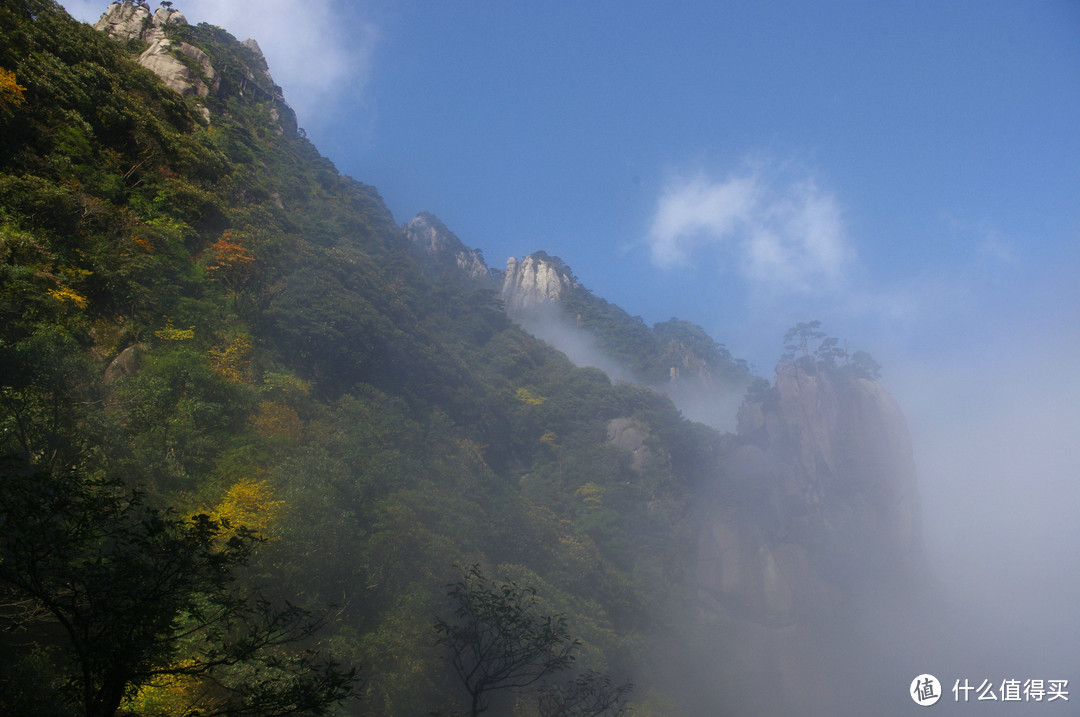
{"x":141,"y":594}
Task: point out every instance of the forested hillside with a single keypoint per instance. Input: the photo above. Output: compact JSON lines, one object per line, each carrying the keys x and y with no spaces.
{"x":249,"y":445}
{"x":266,"y":452}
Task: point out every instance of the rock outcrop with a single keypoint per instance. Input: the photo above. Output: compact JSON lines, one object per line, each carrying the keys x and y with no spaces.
{"x":126,"y":21}
{"x":535,"y":281}
{"x":126,"y":363}
{"x":187,"y":69}
{"x":817,"y":517}
{"x":160,"y":59}
{"x":827,"y":498}
{"x":630,"y":434}
{"x":260,"y":59}
{"x":441,"y":251}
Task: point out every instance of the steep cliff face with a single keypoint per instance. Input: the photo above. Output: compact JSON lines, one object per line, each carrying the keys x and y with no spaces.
{"x":818,"y":517}
{"x":827,"y":499}
{"x":440,"y":250}
{"x":533,"y":282}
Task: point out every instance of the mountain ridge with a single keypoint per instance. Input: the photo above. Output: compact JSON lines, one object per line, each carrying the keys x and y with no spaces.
{"x":273,"y":326}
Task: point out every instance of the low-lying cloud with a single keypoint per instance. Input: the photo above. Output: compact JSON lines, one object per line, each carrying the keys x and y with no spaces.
{"x":784,"y":233}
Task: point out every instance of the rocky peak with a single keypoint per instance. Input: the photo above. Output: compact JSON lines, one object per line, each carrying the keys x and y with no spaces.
{"x":260,"y":59}
{"x":125,"y":21}
{"x":189,"y":70}
{"x":440,"y":249}
{"x":817,"y":517}
{"x":534,"y":281}
{"x":827,"y":454}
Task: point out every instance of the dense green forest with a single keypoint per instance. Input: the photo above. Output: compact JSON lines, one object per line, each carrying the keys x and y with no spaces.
{"x":251,"y":450}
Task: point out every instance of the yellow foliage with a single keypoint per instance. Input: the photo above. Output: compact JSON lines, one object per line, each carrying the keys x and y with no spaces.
{"x":169,"y":695}
{"x":249,"y":503}
{"x":232,"y":362}
{"x":526,"y":396}
{"x":551,"y":438}
{"x":11,"y":92}
{"x":591,"y":495}
{"x":66,"y":294}
{"x":170,"y":334}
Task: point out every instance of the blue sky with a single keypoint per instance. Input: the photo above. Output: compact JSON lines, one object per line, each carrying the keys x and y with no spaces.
{"x":906,"y":172}
{"x":895,"y":170}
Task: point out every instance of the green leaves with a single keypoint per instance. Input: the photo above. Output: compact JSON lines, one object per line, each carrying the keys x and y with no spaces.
{"x":139,"y":593}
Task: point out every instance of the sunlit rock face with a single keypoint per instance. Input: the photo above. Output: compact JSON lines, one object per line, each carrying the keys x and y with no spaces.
{"x":533,"y":282}
{"x":127,"y":21}
{"x":186,"y":69}
{"x":160,"y":59}
{"x":124,"y":21}
{"x":441,"y":249}
{"x":818,"y":514}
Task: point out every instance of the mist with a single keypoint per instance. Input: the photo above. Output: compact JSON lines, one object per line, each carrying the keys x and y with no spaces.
{"x":550,"y":323}
{"x":993,"y":435}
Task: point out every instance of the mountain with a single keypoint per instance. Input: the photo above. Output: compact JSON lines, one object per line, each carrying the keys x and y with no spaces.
{"x":205,"y":324}
{"x":441,"y":253}
{"x":819,"y":518}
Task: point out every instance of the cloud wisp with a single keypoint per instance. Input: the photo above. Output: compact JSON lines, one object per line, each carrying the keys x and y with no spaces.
{"x":320,"y":52}
{"x":784,"y":234}
{"x":317,"y":51}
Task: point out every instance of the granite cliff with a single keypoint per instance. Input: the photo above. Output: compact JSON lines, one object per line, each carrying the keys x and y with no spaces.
{"x":818,"y":516}
{"x":164,"y":43}
{"x":533,"y":282}
{"x":441,"y":252}
{"x":126,"y":22}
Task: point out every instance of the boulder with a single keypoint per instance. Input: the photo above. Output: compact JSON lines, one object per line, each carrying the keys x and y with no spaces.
{"x":126,"y":363}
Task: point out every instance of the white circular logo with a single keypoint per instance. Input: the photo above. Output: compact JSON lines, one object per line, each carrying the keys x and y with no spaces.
{"x":925,"y":690}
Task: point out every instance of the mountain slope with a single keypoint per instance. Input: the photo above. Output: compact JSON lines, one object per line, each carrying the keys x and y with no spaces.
{"x":198,"y":305}
{"x":269,"y":326}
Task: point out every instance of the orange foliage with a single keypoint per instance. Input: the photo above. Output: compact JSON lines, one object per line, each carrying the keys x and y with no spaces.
{"x":229,"y":258}
{"x":526,"y":396}
{"x":591,"y":495}
{"x":170,"y":694}
{"x":11,"y":92}
{"x":172,"y":334}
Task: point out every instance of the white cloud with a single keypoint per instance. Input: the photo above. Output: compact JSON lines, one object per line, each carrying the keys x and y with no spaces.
{"x":700,"y":211}
{"x":319,"y":51}
{"x":786,"y":235}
